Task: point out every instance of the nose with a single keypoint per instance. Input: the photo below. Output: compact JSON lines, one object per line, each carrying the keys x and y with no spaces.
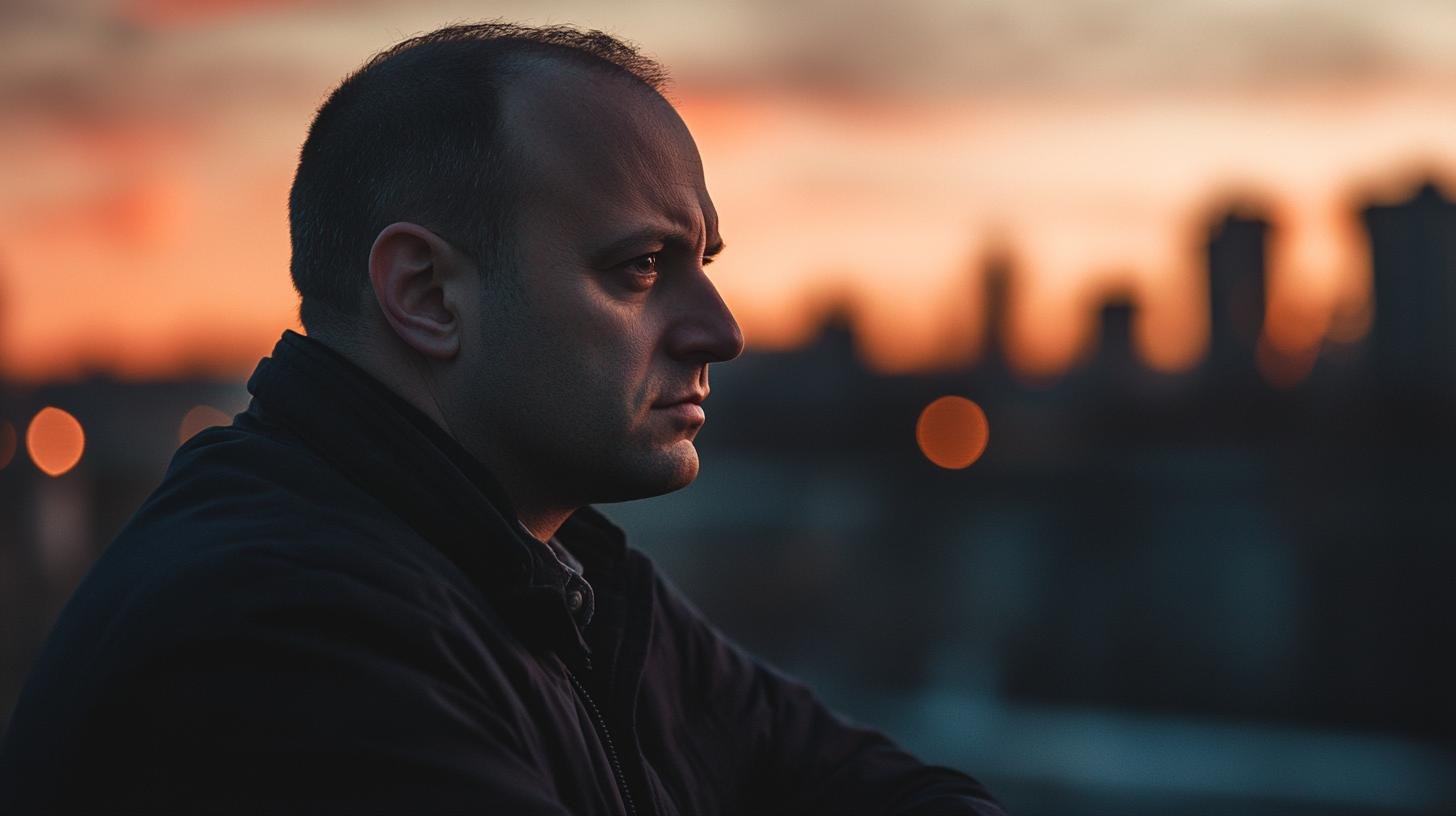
{"x":704,"y":330}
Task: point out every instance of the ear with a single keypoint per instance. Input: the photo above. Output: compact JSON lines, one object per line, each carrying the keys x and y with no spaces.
{"x":413,"y":273}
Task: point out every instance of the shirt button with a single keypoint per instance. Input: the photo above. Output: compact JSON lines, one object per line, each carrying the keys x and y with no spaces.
{"x":574,"y":600}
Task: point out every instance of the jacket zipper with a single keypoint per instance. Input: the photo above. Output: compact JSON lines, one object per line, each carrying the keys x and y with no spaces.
{"x":612,"y":757}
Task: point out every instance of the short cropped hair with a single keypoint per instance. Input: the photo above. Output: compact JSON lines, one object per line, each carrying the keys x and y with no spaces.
{"x":414,"y":135}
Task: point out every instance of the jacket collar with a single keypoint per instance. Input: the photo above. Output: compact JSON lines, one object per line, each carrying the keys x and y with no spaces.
{"x":416,"y":469}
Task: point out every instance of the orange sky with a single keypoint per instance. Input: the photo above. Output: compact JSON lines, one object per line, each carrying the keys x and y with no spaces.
{"x":143,"y":227}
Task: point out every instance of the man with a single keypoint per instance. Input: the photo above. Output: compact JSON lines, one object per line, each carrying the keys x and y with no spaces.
{"x":382,"y":588}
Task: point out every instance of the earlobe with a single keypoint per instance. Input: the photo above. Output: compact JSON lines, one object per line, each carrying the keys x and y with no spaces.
{"x":410,"y":270}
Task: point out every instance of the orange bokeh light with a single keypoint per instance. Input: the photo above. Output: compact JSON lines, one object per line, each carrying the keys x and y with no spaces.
{"x":200,"y":417}
{"x":952,"y":432}
{"x":55,"y":440}
{"x":7,"y":443}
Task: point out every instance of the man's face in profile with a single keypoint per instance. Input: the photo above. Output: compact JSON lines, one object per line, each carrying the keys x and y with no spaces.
{"x":592,"y":368}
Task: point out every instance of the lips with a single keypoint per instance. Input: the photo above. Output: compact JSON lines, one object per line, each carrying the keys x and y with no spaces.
{"x":686,"y":408}
{"x":690,"y":398}
{"x":689,"y":412}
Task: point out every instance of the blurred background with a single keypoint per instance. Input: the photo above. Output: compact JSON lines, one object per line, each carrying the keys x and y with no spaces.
{"x":1181,"y":542}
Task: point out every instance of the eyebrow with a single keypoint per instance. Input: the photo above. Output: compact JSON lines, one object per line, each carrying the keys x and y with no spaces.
{"x":655,"y":235}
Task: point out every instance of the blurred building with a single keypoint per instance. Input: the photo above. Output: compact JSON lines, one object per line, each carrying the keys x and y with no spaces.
{"x":1237,"y":254}
{"x":1413,"y":250}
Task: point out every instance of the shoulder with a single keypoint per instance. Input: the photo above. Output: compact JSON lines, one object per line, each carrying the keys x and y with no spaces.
{"x":244,"y":529}
{"x":239,"y":496}
{"x":257,"y":588}
{"x":247,"y":482}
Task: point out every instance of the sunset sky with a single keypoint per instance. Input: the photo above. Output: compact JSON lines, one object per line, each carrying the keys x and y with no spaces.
{"x":864,"y":154}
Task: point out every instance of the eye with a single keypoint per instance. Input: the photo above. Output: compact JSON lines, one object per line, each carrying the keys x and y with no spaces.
{"x":642,"y":271}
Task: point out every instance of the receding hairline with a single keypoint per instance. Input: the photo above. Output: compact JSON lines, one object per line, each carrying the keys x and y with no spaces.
{"x":563,"y":77}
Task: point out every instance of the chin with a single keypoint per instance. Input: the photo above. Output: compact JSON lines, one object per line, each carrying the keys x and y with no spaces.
{"x":666,"y":471}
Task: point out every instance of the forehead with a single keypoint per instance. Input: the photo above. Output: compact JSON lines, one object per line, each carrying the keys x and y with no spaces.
{"x":604,"y":154}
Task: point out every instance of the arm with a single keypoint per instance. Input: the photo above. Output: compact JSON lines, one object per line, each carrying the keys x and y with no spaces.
{"x":802,"y":758}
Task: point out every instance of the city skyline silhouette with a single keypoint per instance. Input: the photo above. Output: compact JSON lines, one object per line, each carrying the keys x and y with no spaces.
{"x":1188,"y":549}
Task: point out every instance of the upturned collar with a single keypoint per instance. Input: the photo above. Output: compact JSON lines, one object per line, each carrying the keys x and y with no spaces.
{"x":401,"y":457}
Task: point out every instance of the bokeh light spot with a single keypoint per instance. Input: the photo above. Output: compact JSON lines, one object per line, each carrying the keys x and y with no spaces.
{"x":8,"y":443}
{"x":201,"y":416}
{"x":952,"y":432}
{"x":55,"y":441}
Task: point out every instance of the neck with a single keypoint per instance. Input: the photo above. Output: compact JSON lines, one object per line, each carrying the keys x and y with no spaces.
{"x":542,"y":524}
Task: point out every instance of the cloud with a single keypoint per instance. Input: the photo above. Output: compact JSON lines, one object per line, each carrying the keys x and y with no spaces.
{"x":1090,"y":45}
{"x":184,"y":12}
{"x":85,"y":55}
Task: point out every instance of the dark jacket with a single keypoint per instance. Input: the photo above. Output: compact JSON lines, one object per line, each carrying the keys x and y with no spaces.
{"x":329,"y":607}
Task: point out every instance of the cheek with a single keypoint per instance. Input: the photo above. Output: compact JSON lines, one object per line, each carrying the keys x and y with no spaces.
{"x":620,"y":369}
{"x":593,"y":375}
{"x":614,"y":347}
{"x":592,"y":351}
